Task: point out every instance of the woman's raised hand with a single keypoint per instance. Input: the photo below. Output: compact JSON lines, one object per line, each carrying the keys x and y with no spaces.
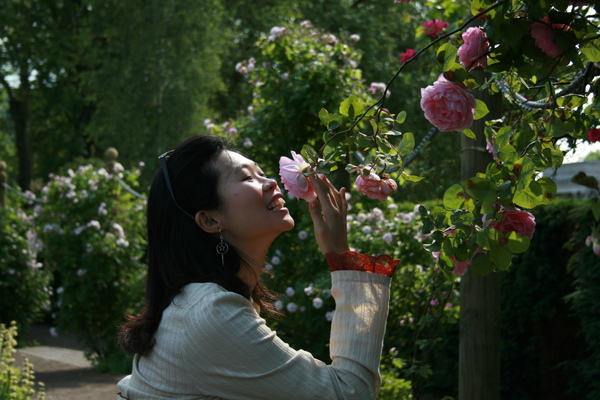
{"x":328,"y":213}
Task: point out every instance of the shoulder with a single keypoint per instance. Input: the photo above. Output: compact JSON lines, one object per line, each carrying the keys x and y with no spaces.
{"x":208,"y":305}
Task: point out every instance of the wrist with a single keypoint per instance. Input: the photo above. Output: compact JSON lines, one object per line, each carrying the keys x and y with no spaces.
{"x":351,"y":260}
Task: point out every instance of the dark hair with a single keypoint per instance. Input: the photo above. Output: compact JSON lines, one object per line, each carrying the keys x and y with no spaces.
{"x":179,"y":251}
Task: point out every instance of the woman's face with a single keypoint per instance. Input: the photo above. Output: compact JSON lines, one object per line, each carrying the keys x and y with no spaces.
{"x":253,"y":207}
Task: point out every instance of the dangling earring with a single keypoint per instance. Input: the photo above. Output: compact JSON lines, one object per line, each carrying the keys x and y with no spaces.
{"x":222,"y":248}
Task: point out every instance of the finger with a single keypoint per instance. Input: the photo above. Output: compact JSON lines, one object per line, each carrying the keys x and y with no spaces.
{"x":326,"y":192}
{"x":314,"y":209}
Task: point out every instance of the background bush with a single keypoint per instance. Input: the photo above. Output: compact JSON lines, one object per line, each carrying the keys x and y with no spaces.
{"x":93,"y":232}
{"x":550,"y":312}
{"x":24,"y":284}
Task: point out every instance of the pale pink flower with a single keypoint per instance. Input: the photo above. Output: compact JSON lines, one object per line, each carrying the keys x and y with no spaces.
{"x":473,"y":52}
{"x":448,"y":105}
{"x":293,"y":179}
{"x":543,"y":33}
{"x":434,"y":27}
{"x":375,"y":187}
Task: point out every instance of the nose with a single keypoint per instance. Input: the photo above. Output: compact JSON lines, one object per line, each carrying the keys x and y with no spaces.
{"x":269,"y":184}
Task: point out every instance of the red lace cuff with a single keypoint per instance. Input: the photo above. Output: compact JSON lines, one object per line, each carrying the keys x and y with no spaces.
{"x":351,"y":260}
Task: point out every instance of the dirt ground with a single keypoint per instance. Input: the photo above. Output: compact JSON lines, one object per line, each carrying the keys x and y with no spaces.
{"x":58,"y":362}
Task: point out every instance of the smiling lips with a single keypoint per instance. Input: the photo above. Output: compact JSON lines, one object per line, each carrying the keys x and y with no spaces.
{"x":276,"y":204}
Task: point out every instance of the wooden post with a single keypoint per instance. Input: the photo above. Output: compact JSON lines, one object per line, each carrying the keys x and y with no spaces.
{"x":3,"y":181}
{"x":111,"y":154}
{"x":479,"y":339}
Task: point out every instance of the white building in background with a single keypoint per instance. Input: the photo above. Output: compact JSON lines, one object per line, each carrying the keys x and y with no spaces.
{"x":563,"y":175}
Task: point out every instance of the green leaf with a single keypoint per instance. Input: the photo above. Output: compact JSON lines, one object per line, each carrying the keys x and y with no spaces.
{"x":536,"y":193}
{"x":481,"y":110}
{"x":446,"y":56}
{"x":411,"y":178}
{"x":595,"y":205}
{"x":585,"y":180}
{"x":501,"y":257}
{"x":309,"y":154}
{"x":508,"y":154}
{"x":517,"y":243}
{"x":469,"y":133}
{"x":482,"y":189}
{"x":481,"y":264}
{"x":401,"y":117}
{"x":407,"y":144}
{"x":556,"y":128}
{"x":348,"y":108}
{"x":454,"y":197}
{"x":591,"y":49}
{"x":384,"y":145}
{"x":324,"y":116}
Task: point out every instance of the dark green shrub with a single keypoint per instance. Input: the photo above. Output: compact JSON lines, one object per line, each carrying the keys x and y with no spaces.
{"x":543,"y":344}
{"x":24,"y":283}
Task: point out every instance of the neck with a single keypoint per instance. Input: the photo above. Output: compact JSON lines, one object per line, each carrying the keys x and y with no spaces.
{"x":253,"y":255}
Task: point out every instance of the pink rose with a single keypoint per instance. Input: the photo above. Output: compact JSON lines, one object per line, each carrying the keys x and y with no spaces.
{"x":375,"y":187}
{"x":460,"y":267}
{"x":473,"y":52}
{"x":448,"y":105}
{"x":520,"y":221}
{"x":543,"y":33}
{"x":407,"y":55}
{"x":594,"y":135}
{"x":434,"y":27}
{"x":293,"y":179}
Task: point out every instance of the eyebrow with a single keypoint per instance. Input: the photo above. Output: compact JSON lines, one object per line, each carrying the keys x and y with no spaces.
{"x":237,"y":169}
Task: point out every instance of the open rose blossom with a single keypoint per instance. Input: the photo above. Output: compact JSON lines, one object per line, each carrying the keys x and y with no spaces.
{"x":520,"y":221}
{"x":293,"y":179}
{"x":448,"y":105}
{"x":594,"y":135}
{"x":407,"y":55}
{"x":543,"y":33}
{"x":434,"y":27}
{"x":375,"y":187}
{"x":473,"y":52}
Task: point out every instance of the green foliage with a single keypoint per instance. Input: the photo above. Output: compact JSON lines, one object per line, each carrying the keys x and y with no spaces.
{"x":15,"y":383}
{"x":298,"y":71}
{"x":81,"y":76}
{"x":585,"y":267}
{"x":522,"y":149}
{"x":93,"y":234}
{"x":24,"y":283}
{"x":423,"y":308}
{"x":549,"y":299}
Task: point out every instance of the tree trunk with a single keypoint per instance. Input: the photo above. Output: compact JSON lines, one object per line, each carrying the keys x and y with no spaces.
{"x":479,"y":340}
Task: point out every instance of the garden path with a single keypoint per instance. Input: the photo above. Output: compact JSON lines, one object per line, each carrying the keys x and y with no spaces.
{"x":59,"y":363}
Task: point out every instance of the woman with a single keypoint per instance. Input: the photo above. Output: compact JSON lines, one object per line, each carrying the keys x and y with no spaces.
{"x":212,"y":215}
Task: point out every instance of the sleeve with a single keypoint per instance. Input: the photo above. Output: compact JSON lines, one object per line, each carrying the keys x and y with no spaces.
{"x":351,"y":260}
{"x":231,"y":353}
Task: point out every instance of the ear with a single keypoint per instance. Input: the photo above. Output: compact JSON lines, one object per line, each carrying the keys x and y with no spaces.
{"x":207,"y":221}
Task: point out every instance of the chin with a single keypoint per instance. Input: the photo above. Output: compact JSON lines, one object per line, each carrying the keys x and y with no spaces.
{"x":291,"y":224}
